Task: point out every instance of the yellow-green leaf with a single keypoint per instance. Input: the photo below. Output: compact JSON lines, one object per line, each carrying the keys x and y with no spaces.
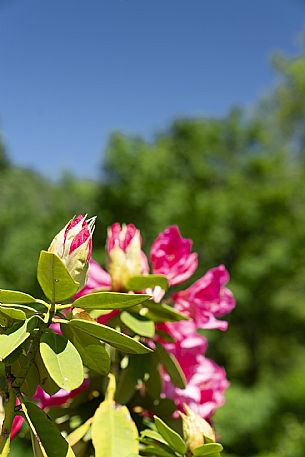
{"x":109,"y":300}
{"x":62,"y":361}
{"x":54,"y":279}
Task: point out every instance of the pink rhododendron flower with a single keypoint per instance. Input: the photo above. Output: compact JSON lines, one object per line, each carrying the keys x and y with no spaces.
{"x":207,"y":299}
{"x":73,"y":245}
{"x":60,"y":398}
{"x":205,"y":388}
{"x":125,"y":256}
{"x":184,"y":333}
{"x":171,"y":256}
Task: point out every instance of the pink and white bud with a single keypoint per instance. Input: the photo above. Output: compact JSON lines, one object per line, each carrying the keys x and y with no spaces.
{"x":73,"y":245}
{"x":125,"y":256}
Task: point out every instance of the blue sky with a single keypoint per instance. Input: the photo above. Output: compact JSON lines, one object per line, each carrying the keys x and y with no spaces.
{"x":72,"y":71}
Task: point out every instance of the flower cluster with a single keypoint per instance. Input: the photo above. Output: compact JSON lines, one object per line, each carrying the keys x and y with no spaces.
{"x":203,"y":303}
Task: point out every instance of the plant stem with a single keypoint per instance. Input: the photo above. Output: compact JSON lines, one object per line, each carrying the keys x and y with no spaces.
{"x":9,"y":414}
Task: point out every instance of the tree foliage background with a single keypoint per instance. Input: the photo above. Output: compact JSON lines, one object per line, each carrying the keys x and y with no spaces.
{"x":236,"y":186}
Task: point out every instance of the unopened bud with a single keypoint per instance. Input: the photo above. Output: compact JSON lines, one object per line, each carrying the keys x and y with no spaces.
{"x":124,"y":254}
{"x":73,"y":245}
{"x":196,"y":430}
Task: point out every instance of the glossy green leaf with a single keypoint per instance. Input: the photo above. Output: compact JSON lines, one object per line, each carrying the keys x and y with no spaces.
{"x":51,"y":442}
{"x":138,"y":324}
{"x":171,"y":437}
{"x":160,"y":312}
{"x":54,"y":279}
{"x":109,"y":300}
{"x":28,"y":381}
{"x":113,"y":431}
{"x":15,"y":336}
{"x":120,"y":341}
{"x":61,"y":360}
{"x":79,"y":432}
{"x":45,"y":381}
{"x":13,"y":313}
{"x":153,"y":435}
{"x":209,"y":450}
{"x":91,"y":350}
{"x":172,"y":366}
{"x":14,"y":296}
{"x":141,"y":282}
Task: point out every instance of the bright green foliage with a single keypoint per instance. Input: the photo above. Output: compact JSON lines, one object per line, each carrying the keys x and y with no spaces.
{"x":54,"y":279}
{"x":147,"y":281}
{"x":171,"y":437}
{"x":166,"y":442}
{"x":209,"y":450}
{"x":34,"y":355}
{"x":138,"y":324}
{"x":48,"y":442}
{"x":111,"y":336}
{"x":62,"y":361}
{"x":109,"y":300}
{"x":92,"y":350}
{"x":15,"y":336}
{"x":13,"y":296}
{"x":172,"y":366}
{"x":113,"y":431}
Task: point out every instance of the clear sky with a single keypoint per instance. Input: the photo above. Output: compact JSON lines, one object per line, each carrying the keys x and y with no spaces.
{"x":72,"y":71}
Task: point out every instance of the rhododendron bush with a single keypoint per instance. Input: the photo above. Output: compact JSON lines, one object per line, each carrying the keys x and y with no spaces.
{"x":112,"y":361}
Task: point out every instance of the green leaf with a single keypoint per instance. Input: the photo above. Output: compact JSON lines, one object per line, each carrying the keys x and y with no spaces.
{"x":47,"y":383}
{"x":141,"y":282}
{"x":113,"y":431}
{"x":13,"y":313}
{"x":61,"y":360}
{"x":79,"y":432}
{"x":120,"y":341}
{"x":38,"y":450}
{"x":109,"y":300}
{"x":91,"y":350}
{"x":14,"y":296}
{"x":29,"y":309}
{"x":138,"y":324}
{"x":154,"y":382}
{"x":15,"y":336}
{"x":158,"y":451}
{"x":54,"y":279}
{"x":171,"y":437}
{"x":171,"y":365}
{"x":160,"y":312}
{"x":135,"y":372}
{"x":51,"y":442}
{"x":29,"y":384}
{"x":153,"y":435}
{"x":210,"y":450}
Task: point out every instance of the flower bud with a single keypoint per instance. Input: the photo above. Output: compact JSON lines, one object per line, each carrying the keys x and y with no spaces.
{"x":73,"y":245}
{"x":124,"y":254}
{"x":196,"y":430}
